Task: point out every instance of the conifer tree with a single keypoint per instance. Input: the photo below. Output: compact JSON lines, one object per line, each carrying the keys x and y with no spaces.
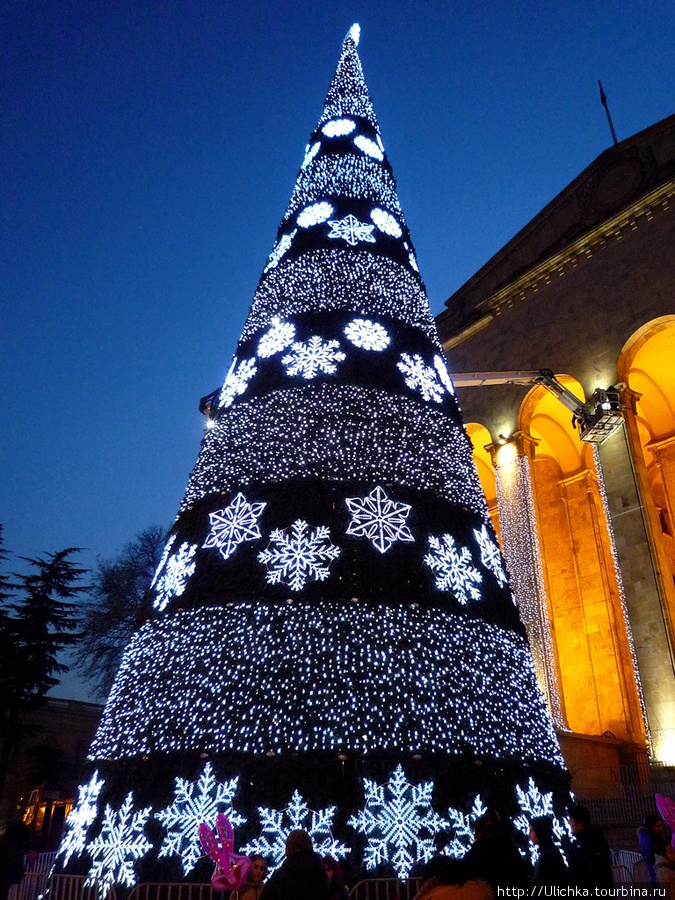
{"x":333,"y":628}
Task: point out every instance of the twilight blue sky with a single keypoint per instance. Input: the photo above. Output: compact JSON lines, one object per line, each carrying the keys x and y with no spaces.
{"x":148,"y":151}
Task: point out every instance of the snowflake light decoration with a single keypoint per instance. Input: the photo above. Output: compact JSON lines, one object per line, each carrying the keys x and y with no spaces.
{"x":281,"y":246}
{"x":313,"y":357}
{"x":442,"y":370}
{"x":119,"y":844}
{"x":379,"y":519}
{"x":80,"y":818}
{"x":178,"y":569}
{"x":367,"y":335}
{"x":237,"y":380}
{"x":489,"y":555}
{"x":369,"y":147}
{"x":386,"y":223}
{"x":310,"y":153}
{"x":196,"y":802}
{"x":454,"y":568}
{"x":233,"y":525}
{"x":350,"y":229}
{"x":293,"y":558}
{"x":338,"y":127}
{"x":420,"y":377}
{"x":315,"y":214}
{"x":165,"y":556}
{"x":400,"y":827}
{"x":413,"y":261}
{"x":279,"y":336}
{"x":532,"y":804}
{"x":272,"y":842}
{"x":462,"y":825}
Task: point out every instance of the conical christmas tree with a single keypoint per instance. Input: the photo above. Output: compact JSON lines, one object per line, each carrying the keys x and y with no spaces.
{"x":334,"y":628}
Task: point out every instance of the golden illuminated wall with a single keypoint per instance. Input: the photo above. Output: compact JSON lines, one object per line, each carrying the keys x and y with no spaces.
{"x":582,"y":583}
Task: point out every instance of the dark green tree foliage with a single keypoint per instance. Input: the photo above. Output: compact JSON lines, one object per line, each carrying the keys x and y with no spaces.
{"x":120,"y":600}
{"x":38,"y":620}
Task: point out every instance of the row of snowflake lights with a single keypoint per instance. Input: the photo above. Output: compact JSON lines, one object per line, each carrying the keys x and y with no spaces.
{"x":317,"y":356}
{"x":332,"y":699}
{"x":299,"y":554}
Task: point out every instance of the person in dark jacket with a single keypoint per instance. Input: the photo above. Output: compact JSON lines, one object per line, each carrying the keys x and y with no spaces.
{"x":338,"y":891}
{"x":550,"y":869}
{"x":301,"y":876}
{"x":589,"y":857}
{"x":13,"y":844}
{"x":652,"y":841}
{"x":493,"y":857}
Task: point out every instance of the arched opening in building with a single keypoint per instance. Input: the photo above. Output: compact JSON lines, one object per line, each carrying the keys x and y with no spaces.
{"x":583,"y":594}
{"x":480,"y":441}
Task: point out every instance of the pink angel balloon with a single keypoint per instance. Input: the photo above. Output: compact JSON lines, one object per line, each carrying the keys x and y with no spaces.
{"x":231,"y":868}
{"x":667,"y":809}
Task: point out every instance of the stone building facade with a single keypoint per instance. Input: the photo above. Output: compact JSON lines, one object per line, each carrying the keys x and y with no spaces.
{"x":587,"y":290}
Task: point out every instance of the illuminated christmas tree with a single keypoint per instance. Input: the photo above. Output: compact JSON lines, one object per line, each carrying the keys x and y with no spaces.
{"x":332,"y":620}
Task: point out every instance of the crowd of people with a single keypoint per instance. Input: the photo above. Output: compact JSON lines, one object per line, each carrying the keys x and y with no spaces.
{"x":492,"y":864}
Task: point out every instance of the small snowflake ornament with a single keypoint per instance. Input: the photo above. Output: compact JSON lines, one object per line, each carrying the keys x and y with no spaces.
{"x":80,"y":818}
{"x":490,"y":555}
{"x":453,"y":568}
{"x":367,"y":335}
{"x":379,"y":519}
{"x":277,"y":825}
{"x":165,"y":556}
{"x":350,"y":229}
{"x":233,"y":525}
{"x":442,"y":370}
{"x":420,"y":377}
{"x":283,"y":244}
{"x":462,"y":826}
{"x":298,"y":554}
{"x":177,"y":571}
{"x":339,"y":127}
{"x":310,"y":153}
{"x":368,"y":147}
{"x":120,"y":843}
{"x":313,"y":357}
{"x":237,"y":381}
{"x":279,"y":336}
{"x":196,"y":802}
{"x":385,"y":222}
{"x":399,"y":823}
{"x":315,"y":214}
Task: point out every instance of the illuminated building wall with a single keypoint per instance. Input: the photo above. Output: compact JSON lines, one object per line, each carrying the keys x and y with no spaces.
{"x":586,"y":289}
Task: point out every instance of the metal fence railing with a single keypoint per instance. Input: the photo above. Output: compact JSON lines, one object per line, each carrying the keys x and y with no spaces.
{"x":178,"y":891}
{"x":385,"y":889}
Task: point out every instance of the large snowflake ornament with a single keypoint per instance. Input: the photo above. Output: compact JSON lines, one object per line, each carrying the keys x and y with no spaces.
{"x":453,"y":567}
{"x":369,"y":147}
{"x":279,"y":336}
{"x":298,"y":554}
{"x":237,"y":380}
{"x":313,"y":357}
{"x":367,"y":335}
{"x":399,"y":822}
{"x":277,"y":825}
{"x":350,"y":229}
{"x":489,"y":555}
{"x":177,"y":571}
{"x":284,"y":242}
{"x":120,"y":843}
{"x":196,"y":802}
{"x":533,"y":804}
{"x":462,"y":827}
{"x":379,"y":519}
{"x":420,"y":377}
{"x":233,"y":525}
{"x":80,"y":818}
{"x":339,"y":127}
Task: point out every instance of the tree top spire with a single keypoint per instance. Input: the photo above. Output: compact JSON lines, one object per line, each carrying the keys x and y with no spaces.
{"x":348,"y":93}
